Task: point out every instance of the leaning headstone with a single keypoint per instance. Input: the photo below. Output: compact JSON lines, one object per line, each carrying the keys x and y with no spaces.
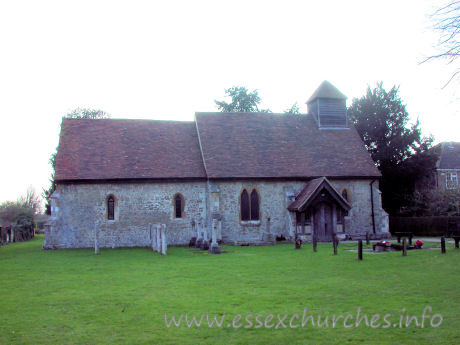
{"x":214,"y":246}
{"x":164,"y":243}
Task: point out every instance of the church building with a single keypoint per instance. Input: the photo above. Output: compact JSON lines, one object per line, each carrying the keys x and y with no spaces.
{"x":254,"y":173}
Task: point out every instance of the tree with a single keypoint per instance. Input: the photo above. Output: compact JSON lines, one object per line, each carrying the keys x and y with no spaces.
{"x":436,"y":203}
{"x":19,"y":217}
{"x":87,"y":113}
{"x":397,"y":147}
{"x":31,"y":200}
{"x":447,"y":22}
{"x":294,"y":110}
{"x":9,"y":211}
{"x":46,"y":193}
{"x":78,"y":113}
{"x":242,"y":101}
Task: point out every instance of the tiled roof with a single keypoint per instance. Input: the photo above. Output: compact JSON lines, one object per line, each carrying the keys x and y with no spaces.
{"x":128,"y":149}
{"x":307,"y":194}
{"x":234,"y":145}
{"x":450,"y":156}
{"x":255,"y":145}
{"x":326,"y":90}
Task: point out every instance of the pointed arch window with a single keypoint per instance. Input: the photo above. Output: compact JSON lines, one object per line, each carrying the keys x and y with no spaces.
{"x":111,"y":207}
{"x":245,"y":205}
{"x":254,"y":205}
{"x":249,"y":204}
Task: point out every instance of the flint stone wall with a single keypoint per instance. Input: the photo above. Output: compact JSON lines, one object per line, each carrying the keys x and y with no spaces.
{"x":274,"y":200}
{"x":81,"y":208}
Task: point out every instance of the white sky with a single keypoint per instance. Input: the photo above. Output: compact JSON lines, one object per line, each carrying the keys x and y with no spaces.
{"x":169,"y":59}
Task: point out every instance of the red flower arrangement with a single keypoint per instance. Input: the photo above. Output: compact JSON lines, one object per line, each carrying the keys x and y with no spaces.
{"x":298,"y":243}
{"x":418,"y":244}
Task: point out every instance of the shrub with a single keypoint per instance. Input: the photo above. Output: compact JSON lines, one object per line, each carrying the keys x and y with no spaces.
{"x":425,"y":226}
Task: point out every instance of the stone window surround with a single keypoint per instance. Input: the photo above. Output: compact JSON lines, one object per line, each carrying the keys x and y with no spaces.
{"x":115,"y":208}
{"x":182,"y":207}
{"x":250,"y":223}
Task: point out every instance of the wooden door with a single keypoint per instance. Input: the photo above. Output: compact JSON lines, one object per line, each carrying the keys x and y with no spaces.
{"x":323,"y":222}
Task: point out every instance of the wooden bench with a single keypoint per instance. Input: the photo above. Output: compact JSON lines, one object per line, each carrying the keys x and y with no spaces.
{"x":409,"y":235}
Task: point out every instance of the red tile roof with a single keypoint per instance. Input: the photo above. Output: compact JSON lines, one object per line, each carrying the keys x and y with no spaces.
{"x":128,"y":149}
{"x":234,"y":145}
{"x":255,"y":145}
{"x":308,"y":193}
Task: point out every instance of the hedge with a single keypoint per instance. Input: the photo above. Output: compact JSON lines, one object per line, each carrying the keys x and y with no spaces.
{"x":425,"y":226}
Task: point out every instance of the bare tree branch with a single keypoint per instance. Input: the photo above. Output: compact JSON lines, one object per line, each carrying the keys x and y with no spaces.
{"x":447,"y":22}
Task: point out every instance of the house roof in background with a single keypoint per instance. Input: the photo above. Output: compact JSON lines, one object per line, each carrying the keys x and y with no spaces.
{"x":258,"y":145}
{"x":128,"y":149}
{"x":326,"y":90}
{"x":450,"y":156}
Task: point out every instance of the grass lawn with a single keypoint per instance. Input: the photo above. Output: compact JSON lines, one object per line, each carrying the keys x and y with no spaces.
{"x":121,"y":295}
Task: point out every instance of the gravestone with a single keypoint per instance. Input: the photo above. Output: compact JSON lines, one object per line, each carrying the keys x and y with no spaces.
{"x":153,"y":236}
{"x":204,"y":243}
{"x":164,"y":244}
{"x":214,"y":246}
{"x":96,"y":244}
{"x":158,"y":237}
{"x":199,"y":238}
{"x":194,"y":231}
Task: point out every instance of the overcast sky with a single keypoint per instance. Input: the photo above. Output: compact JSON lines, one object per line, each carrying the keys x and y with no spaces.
{"x":169,"y":59}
